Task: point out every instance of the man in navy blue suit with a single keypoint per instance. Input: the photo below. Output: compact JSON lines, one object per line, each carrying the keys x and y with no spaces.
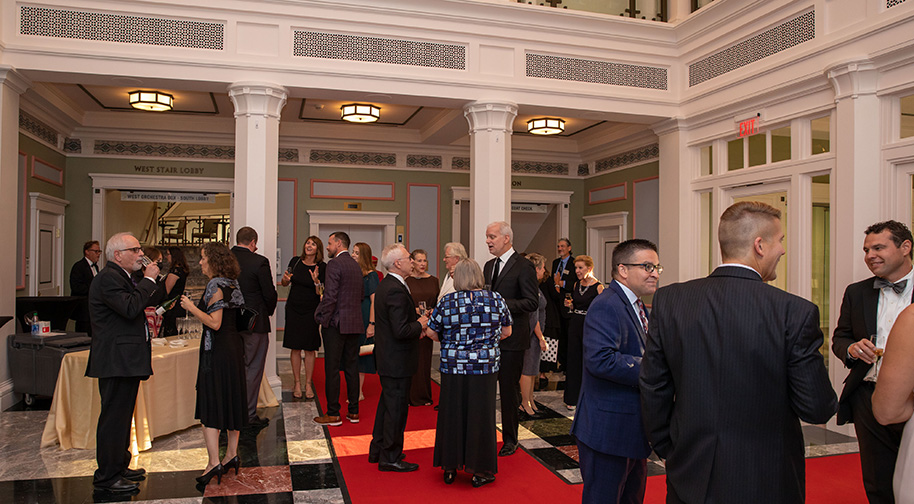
{"x":612,"y":446}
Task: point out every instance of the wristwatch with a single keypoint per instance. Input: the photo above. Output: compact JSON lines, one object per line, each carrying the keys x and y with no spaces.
{"x":371,"y":323}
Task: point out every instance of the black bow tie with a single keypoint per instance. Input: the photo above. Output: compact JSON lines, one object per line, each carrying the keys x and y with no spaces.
{"x":897,"y":287}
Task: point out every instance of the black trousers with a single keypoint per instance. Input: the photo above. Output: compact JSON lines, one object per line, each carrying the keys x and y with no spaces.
{"x":509,"y":371}
{"x":341,"y":351}
{"x":610,"y":478}
{"x":390,"y":419}
{"x":878,"y":446}
{"x":112,"y":439}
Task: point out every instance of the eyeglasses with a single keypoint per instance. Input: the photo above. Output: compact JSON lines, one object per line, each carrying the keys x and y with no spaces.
{"x":648,"y":267}
{"x":95,"y":251}
{"x":135,"y":250}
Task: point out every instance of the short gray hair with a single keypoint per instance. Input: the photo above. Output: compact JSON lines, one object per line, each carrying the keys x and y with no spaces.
{"x":116,"y":243}
{"x":468,"y":276}
{"x":456,"y":248}
{"x":388,"y":257}
{"x":504,"y":229}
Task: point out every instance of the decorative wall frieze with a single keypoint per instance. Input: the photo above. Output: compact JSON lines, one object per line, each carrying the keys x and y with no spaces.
{"x":539,"y":168}
{"x":460,"y":163}
{"x":353,"y":158}
{"x":314,"y":44}
{"x":583,"y":170}
{"x":636,"y":156}
{"x":41,"y":130}
{"x":72,"y":146}
{"x":595,"y":71}
{"x":423,"y":161}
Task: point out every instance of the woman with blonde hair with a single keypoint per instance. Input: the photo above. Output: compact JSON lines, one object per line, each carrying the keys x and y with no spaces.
{"x":586,"y":289}
{"x":361,"y":252}
{"x":302,"y":335}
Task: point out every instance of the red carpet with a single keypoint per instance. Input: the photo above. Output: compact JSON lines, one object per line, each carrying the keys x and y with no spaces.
{"x":520,"y":478}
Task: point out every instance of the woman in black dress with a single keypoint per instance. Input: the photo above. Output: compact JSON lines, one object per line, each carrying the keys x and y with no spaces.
{"x":424,"y":289}
{"x":175,"y":282}
{"x":361,"y":252}
{"x":302,"y":334}
{"x":221,"y":389}
{"x":585,"y":290}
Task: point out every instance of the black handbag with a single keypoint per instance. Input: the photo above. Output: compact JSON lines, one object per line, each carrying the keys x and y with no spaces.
{"x":247,"y":318}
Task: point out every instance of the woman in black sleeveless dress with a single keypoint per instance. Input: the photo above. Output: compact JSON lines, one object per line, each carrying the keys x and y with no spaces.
{"x":221,"y":389}
{"x":586,"y":289}
{"x":175,"y":282}
{"x":301,"y":334}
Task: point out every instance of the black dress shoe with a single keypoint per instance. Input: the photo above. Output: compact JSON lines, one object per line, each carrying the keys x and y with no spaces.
{"x":121,"y":485}
{"x":482,"y":479}
{"x":258,"y":421}
{"x":401,"y":466}
{"x":134,"y":474}
{"x":449,"y":477}
{"x":506,"y":449}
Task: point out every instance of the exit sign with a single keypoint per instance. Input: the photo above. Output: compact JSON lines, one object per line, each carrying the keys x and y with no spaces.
{"x":748,"y":127}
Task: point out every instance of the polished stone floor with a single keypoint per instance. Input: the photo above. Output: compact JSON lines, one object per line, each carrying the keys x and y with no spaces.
{"x":289,"y":461}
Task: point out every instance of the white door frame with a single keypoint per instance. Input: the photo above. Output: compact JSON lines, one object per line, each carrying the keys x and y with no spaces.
{"x":562,"y":200}
{"x":44,"y":204}
{"x":104,"y":181}
{"x":597,"y":225}
{"x":387,"y":220}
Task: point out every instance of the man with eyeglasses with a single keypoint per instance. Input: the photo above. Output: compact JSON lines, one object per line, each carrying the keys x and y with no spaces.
{"x":730,"y":367}
{"x":81,"y":275}
{"x":120,"y":356}
{"x":612,"y":446}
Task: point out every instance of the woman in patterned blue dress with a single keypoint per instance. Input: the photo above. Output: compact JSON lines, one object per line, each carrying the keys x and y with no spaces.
{"x":469,"y":324}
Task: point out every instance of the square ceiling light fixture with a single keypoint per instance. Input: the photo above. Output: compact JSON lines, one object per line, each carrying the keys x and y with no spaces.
{"x":546,"y":126}
{"x":360,"y":112}
{"x":153,"y":101}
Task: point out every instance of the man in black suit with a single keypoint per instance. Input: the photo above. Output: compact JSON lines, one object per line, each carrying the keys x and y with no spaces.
{"x":397,"y":332}
{"x":563,"y":279}
{"x":869,"y":309}
{"x":514,"y":278}
{"x":120,"y":356}
{"x":731,"y":366}
{"x":259,"y":289}
{"x":81,"y":275}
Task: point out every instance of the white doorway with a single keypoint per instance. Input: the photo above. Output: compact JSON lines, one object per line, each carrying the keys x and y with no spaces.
{"x":604,"y":232}
{"x":377,"y":229}
{"x":45,"y":262}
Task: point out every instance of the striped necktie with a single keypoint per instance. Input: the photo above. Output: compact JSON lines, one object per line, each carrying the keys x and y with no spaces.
{"x":642,"y":314}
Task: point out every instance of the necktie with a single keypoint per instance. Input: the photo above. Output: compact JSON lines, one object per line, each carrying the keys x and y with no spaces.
{"x":495,"y":271}
{"x":642,"y":314}
{"x":94,"y":269}
{"x":897,"y":287}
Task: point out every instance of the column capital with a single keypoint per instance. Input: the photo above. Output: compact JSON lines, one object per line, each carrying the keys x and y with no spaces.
{"x":258,"y":98}
{"x":490,"y":116}
{"x":671,"y":125}
{"x":13,"y":79}
{"x":853,"y":78}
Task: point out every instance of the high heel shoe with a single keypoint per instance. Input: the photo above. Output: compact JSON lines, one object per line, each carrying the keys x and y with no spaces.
{"x":216,"y":471}
{"x":234,"y":463}
{"x":296,"y":390}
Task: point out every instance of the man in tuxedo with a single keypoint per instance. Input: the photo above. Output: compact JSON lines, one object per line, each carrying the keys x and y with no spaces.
{"x":120,"y":356}
{"x":81,"y":275}
{"x":731,"y":366}
{"x":397,"y":332}
{"x":259,"y":290}
{"x":611,"y":442}
{"x":563,"y":279}
{"x":514,"y":278}
{"x":870,"y":308}
{"x":340,"y":316}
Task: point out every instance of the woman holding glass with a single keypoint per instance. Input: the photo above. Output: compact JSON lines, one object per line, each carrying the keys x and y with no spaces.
{"x":469,"y":324}
{"x":221,"y":389}
{"x":538,"y":345}
{"x":361,"y":252}
{"x":302,"y":335}
{"x":424,"y":289}
{"x":586,"y":289}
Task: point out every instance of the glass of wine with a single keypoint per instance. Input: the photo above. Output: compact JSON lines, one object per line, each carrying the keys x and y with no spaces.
{"x":569,"y":302}
{"x":422,"y":307}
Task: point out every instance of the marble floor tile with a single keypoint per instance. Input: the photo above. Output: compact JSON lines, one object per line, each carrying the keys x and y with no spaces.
{"x":308,"y":451}
{"x":570,"y":450}
{"x":326,"y":496}
{"x":252,"y":480}
{"x":571,"y":475}
{"x":314,"y":476}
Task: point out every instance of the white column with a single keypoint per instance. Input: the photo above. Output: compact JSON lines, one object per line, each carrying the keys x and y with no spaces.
{"x":859,"y":181}
{"x":257,"y":109}
{"x":680,"y":220}
{"x":490,"y":169}
{"x":678,"y":10}
{"x":11,"y":86}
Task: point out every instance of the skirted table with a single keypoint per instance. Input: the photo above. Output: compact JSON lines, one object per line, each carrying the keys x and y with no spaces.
{"x":164,"y":404}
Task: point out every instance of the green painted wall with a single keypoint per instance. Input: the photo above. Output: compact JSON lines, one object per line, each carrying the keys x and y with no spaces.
{"x":628,"y":176}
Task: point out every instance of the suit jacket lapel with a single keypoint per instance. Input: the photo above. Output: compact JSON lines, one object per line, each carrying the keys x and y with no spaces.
{"x":632,"y":314}
{"x":501,"y":273}
{"x":870,"y":308}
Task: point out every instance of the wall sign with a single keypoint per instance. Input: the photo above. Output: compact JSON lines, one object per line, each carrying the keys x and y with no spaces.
{"x":181,"y":197}
{"x":749,"y":126}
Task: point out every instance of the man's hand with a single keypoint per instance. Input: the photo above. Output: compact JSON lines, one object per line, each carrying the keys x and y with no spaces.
{"x":152,"y":270}
{"x":863,"y":350}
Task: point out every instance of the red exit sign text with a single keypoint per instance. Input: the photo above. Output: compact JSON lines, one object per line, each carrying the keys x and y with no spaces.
{"x":748,"y":127}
